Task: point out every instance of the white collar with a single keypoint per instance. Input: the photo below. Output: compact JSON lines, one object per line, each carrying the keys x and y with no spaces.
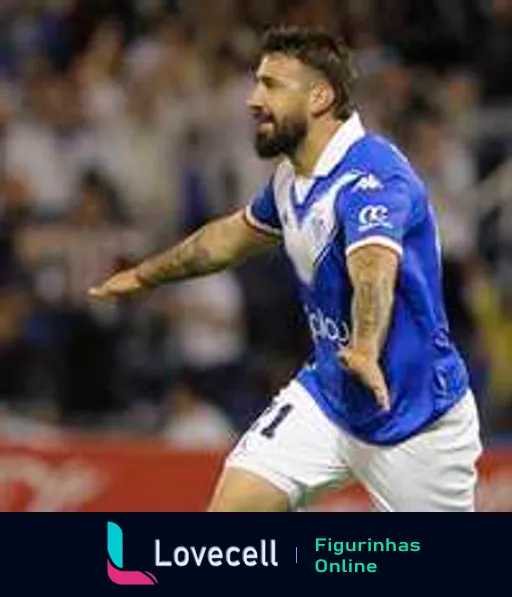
{"x":342,"y":140}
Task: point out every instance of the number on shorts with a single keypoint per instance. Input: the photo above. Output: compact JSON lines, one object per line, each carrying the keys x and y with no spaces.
{"x":282,"y":413}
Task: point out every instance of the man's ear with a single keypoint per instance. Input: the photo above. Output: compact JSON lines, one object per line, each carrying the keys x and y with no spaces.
{"x":321,"y":98}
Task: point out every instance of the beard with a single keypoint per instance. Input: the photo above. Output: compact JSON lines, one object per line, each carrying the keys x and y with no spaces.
{"x":285,"y":138}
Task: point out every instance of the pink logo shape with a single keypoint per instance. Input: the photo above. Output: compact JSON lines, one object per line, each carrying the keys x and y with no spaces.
{"x":129,"y":577}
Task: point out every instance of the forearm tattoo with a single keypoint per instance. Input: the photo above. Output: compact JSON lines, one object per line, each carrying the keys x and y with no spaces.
{"x":373,"y":281}
{"x":190,"y":258}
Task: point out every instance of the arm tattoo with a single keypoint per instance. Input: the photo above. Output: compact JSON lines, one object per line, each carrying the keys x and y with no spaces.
{"x":373,"y":273}
{"x":188,"y":259}
{"x":222,"y":243}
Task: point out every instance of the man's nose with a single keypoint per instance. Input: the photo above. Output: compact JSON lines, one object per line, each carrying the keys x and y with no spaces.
{"x":255,"y":99}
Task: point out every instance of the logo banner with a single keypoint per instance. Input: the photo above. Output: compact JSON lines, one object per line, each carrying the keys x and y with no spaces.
{"x":231,"y":554}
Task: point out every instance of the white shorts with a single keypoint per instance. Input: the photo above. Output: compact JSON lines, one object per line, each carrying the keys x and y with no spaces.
{"x":298,"y":449}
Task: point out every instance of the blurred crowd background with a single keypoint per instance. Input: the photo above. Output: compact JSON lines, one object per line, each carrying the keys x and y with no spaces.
{"x":123,"y":127}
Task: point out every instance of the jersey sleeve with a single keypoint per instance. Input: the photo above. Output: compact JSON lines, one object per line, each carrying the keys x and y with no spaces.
{"x":262,"y":213}
{"x":375,"y":212}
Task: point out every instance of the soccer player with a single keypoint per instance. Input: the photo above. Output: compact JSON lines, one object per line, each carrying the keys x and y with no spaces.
{"x":386,"y":400}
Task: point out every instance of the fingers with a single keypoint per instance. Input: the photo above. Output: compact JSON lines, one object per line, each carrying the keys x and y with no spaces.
{"x":373,"y":378}
{"x":98,"y":292}
{"x":117,"y":286}
{"x":370,"y":374}
{"x":380,"y":390}
{"x":377,"y":383}
{"x":105,"y":291}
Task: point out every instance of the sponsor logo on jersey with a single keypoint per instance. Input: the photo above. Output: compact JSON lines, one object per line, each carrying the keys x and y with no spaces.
{"x":373,"y":216}
{"x":326,"y":328}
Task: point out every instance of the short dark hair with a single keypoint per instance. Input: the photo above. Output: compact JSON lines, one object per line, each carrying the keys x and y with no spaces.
{"x":321,"y":51}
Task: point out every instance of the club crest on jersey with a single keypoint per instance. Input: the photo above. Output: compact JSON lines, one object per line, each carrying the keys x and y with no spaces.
{"x":319,"y":228}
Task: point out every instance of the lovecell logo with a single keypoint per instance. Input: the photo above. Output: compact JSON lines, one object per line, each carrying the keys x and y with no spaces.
{"x":116,"y":573}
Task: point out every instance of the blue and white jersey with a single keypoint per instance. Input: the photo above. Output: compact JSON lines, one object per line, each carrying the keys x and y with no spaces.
{"x":364,"y":191}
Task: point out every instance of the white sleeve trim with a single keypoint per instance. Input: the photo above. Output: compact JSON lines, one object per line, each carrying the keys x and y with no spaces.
{"x":255,"y":223}
{"x":383,"y":241}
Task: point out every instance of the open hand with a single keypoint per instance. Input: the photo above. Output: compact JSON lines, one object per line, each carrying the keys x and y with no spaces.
{"x":118,"y":285}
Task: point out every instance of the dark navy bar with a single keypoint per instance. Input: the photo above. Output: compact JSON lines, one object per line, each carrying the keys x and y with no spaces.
{"x":276,"y":553}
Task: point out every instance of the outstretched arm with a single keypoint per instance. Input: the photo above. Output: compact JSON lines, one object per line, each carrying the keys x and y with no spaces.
{"x":220,"y":244}
{"x":373,"y":273}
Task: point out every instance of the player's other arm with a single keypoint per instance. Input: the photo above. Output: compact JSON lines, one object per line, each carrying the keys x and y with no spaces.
{"x":219,"y":244}
{"x":373,"y":273}
{"x":376,"y":217}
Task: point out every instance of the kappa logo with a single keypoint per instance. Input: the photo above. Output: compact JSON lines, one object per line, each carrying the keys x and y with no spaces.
{"x":373,"y":216}
{"x":368,"y":183}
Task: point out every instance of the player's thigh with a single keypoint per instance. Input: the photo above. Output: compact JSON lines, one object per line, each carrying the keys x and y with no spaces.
{"x":292,"y":447}
{"x":240,"y":490}
{"x":435,"y":471}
